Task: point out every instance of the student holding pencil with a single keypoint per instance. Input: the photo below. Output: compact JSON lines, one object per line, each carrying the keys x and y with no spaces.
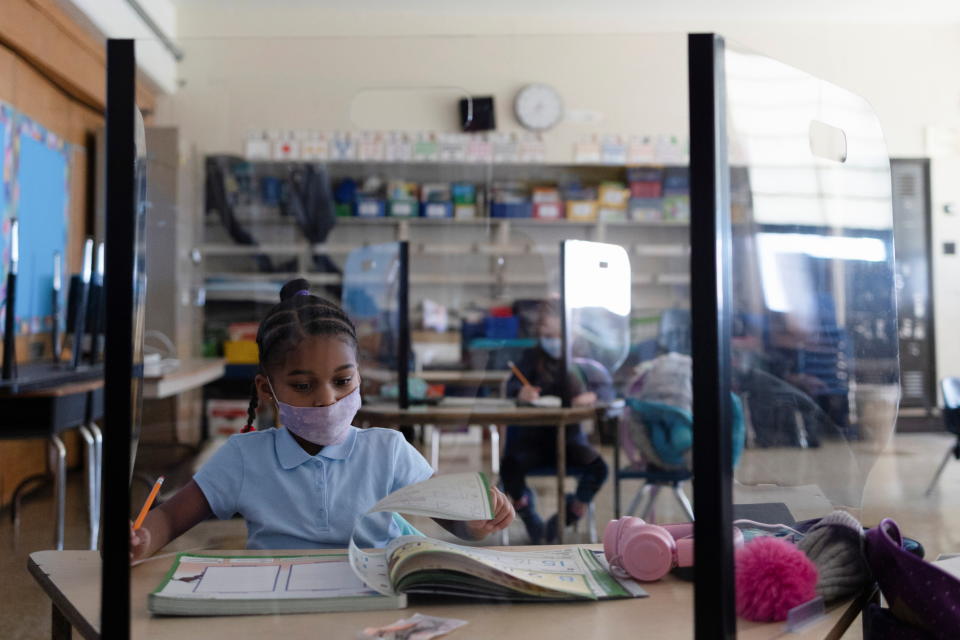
{"x":539,"y":373}
{"x":307,"y":483}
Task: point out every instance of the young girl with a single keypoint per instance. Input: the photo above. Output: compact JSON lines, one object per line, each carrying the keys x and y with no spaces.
{"x":307,"y":483}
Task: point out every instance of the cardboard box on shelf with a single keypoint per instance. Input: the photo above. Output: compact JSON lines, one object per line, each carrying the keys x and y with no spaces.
{"x":582,"y":210}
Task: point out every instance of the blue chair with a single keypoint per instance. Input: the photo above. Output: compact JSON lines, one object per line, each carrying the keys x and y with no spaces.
{"x":550,"y":472}
{"x":668,"y":436}
{"x":951,"y":420}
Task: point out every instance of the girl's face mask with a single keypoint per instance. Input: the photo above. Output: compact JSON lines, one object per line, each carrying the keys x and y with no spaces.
{"x":552,"y":346}
{"x":320,"y":425}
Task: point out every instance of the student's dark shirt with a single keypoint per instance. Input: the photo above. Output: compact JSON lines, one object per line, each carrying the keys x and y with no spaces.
{"x":547,"y":373}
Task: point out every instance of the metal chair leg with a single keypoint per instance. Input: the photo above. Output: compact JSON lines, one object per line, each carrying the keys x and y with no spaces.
{"x":58,"y":460}
{"x":649,"y":513}
{"x":98,"y":484}
{"x":641,"y":494}
{"x":494,"y":448}
{"x":943,"y":465}
{"x":90,"y":475}
{"x":682,"y":499}
{"x":592,"y":523}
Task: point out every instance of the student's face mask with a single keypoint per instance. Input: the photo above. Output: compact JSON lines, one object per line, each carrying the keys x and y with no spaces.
{"x":320,"y":425}
{"x":552,"y":346}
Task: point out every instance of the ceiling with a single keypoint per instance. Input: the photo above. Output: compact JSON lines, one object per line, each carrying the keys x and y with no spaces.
{"x":858,"y":11}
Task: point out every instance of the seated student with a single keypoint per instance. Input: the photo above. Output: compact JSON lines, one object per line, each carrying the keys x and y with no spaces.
{"x":533,"y":447}
{"x":307,"y":483}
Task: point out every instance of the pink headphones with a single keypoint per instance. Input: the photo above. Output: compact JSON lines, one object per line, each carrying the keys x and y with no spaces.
{"x":647,"y":552}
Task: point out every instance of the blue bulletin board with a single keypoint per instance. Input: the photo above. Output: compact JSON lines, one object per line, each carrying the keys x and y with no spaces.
{"x":36,"y":179}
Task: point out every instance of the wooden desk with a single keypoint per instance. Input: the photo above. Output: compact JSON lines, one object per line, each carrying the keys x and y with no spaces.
{"x":384,"y":415}
{"x":189,"y":375}
{"x":72,"y":581}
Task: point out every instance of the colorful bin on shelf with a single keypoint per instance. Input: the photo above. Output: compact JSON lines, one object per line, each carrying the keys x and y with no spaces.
{"x":436,"y":209}
{"x":582,"y":210}
{"x":511,"y":210}
{"x":404,"y":208}
{"x":241,"y":352}
{"x":370,"y":208}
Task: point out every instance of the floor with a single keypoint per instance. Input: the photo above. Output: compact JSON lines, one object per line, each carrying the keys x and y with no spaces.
{"x":895,"y":482}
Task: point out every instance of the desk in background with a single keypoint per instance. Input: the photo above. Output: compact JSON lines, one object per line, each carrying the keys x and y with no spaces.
{"x":46,"y":412}
{"x":71,"y":579}
{"x":190,"y":374}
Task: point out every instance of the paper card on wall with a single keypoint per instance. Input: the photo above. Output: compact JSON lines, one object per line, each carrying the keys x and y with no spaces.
{"x":286,"y":149}
{"x":371,"y":147}
{"x":671,"y":149}
{"x":315,"y":147}
{"x":453,"y":147}
{"x":586,"y":151}
{"x":641,"y":150}
{"x":425,"y":148}
{"x":342,"y":147}
{"x":532,"y":149}
{"x":613,"y":151}
{"x":457,"y":496}
{"x":479,"y":149}
{"x":257,"y":147}
{"x":504,"y":148}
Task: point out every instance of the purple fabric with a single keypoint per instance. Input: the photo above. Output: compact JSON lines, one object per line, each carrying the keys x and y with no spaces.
{"x":302,"y":292}
{"x":920,"y":595}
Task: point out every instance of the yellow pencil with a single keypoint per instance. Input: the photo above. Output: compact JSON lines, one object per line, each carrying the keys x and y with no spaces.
{"x":522,"y":378}
{"x":148,"y":503}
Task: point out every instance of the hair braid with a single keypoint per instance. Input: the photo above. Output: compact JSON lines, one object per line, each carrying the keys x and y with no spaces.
{"x":252,"y":410}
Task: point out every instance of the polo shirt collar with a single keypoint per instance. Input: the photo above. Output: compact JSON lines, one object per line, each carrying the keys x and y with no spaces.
{"x":291,"y":454}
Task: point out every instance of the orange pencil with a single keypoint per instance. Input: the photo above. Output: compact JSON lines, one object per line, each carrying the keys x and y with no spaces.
{"x":148,"y":503}
{"x":522,"y":378}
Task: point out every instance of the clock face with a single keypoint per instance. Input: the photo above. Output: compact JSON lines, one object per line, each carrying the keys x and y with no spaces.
{"x":538,"y":107}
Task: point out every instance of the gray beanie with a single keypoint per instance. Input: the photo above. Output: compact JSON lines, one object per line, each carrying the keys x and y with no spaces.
{"x":835,"y":545}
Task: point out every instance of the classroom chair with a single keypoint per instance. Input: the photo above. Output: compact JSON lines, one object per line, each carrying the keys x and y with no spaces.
{"x":664,"y":443}
{"x":550,"y":472}
{"x":951,"y":421}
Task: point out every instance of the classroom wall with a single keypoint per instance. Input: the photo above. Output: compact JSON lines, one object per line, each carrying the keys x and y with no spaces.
{"x":903,"y":64}
{"x":52,"y":70}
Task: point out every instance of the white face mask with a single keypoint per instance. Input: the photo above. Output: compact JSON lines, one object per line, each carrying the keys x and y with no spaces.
{"x":320,"y":425}
{"x":552,"y":346}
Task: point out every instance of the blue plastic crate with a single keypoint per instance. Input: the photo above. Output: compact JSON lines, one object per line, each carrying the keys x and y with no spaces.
{"x":511,"y":210}
{"x":369,"y":208}
{"x":436,"y":209}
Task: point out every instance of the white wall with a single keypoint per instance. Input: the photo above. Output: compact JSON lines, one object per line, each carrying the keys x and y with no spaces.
{"x":907,"y":71}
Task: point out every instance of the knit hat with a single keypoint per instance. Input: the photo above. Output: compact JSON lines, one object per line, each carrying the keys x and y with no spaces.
{"x":835,"y":545}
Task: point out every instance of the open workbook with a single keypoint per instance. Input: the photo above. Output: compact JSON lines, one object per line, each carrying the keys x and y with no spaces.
{"x":199,"y":584}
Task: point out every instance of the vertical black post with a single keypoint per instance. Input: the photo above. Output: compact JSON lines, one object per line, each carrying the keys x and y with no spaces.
{"x":118,"y":366}
{"x":566,"y":395}
{"x":710,"y":291}
{"x":403,"y":339}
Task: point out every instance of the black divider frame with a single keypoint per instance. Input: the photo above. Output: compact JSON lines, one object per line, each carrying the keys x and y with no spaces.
{"x":710,"y":300}
{"x":120,"y":255}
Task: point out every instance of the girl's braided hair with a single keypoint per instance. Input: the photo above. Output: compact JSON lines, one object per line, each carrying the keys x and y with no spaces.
{"x":299,"y":314}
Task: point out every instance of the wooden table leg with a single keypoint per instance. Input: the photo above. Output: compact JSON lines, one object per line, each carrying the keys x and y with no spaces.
{"x":561,"y":476}
{"x":60,"y":628}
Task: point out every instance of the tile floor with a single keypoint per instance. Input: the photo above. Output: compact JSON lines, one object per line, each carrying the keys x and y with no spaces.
{"x":895,"y":483}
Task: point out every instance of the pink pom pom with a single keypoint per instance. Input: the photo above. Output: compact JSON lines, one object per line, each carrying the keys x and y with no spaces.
{"x":773,"y":576}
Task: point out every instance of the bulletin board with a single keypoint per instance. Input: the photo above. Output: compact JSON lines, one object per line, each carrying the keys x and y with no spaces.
{"x":36,"y":188}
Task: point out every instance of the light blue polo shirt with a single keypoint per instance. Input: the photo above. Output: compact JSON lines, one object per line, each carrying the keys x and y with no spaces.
{"x":292,"y":500}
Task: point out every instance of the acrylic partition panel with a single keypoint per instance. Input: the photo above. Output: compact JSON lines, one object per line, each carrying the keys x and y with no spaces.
{"x":315,"y":159}
{"x":372,"y":281}
{"x":596,"y":310}
{"x":814,"y":339}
